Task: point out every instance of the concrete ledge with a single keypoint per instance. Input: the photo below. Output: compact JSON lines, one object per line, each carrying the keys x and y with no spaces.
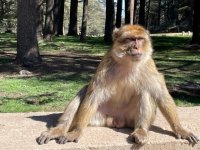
{"x":19,"y":131}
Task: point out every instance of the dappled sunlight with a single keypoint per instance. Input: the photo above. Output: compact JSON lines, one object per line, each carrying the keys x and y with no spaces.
{"x":68,"y":64}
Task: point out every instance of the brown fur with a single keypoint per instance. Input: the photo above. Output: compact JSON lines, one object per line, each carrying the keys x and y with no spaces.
{"x":124,"y":92}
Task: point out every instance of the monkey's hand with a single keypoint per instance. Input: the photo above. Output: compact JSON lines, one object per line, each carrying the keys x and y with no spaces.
{"x":184,"y":134}
{"x":139,"y":136}
{"x":52,"y":133}
{"x":72,"y":136}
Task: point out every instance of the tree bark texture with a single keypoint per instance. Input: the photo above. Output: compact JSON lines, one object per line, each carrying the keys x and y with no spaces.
{"x":73,"y":18}
{"x":127,"y":11}
{"x":119,"y":14}
{"x":110,"y":20}
{"x":159,"y":12}
{"x":135,"y":10}
{"x":27,"y":44}
{"x":61,"y":18}
{"x":132,"y":6}
{"x":148,"y":13}
{"x":142,"y":13}
{"x":196,"y":23}
{"x":84,"y":21}
{"x":58,"y":16}
{"x":39,"y":19}
{"x":49,"y":20}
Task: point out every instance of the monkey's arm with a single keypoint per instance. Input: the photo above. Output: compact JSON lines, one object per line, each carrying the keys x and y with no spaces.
{"x":72,"y":107}
{"x":97,"y":92}
{"x":85,"y":112}
{"x":65,"y":120}
{"x":146,"y":114}
{"x":168,"y":109}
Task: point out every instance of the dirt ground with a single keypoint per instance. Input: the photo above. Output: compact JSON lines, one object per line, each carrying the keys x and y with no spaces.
{"x":18,"y":131}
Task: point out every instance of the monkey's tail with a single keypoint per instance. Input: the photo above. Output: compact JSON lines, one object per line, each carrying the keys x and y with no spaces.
{"x":71,"y":109}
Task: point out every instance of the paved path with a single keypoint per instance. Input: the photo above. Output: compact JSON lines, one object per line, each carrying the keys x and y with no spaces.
{"x":18,"y":131}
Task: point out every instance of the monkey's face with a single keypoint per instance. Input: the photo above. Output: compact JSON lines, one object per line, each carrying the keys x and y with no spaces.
{"x":131,"y":42}
{"x":133,"y":46}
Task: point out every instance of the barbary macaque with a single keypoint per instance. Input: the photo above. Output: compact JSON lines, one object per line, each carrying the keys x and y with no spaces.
{"x":124,"y":92}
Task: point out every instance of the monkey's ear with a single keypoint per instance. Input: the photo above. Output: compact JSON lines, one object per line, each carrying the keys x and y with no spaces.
{"x":148,"y":33}
{"x":115,"y":34}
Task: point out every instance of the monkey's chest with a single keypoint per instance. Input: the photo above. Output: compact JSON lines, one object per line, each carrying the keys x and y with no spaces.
{"x":122,"y":114}
{"x":123,"y":104}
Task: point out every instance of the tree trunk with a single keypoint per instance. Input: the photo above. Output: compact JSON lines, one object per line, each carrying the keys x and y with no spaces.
{"x":58,"y":16}
{"x":27,"y":44}
{"x":159,"y":12}
{"x":49,"y":20}
{"x":110,"y":19}
{"x":166,"y":7}
{"x":39,"y":19}
{"x":196,"y":23}
{"x":142,"y":13}
{"x":127,"y":12}
{"x":135,"y":10}
{"x":173,"y":12}
{"x":84,"y":20}
{"x":132,"y":6}
{"x":148,"y":13}
{"x":73,"y":18}
{"x":61,"y":18}
{"x":119,"y":13}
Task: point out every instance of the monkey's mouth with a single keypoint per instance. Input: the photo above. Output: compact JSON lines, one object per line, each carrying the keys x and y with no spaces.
{"x":134,"y":53}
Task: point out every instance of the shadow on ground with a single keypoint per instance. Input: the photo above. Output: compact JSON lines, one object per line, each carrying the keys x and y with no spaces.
{"x":64,"y":62}
{"x":52,"y":63}
{"x":52,"y":119}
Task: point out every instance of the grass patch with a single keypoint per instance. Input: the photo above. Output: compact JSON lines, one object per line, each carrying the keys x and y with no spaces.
{"x":93,"y":45}
{"x":52,"y":90}
{"x":44,"y":93}
{"x":7,"y":41}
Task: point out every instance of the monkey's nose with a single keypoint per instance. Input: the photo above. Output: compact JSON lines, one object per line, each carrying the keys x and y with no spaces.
{"x":135,"y":46}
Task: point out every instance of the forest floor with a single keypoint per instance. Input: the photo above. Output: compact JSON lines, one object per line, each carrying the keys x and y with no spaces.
{"x":63,"y":71}
{"x":69,"y":64}
{"x":59,"y":66}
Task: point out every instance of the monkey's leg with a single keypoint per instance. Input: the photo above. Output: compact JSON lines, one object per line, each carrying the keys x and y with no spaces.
{"x":85,"y":112}
{"x":64,"y":121}
{"x":146,"y":114}
{"x":168,"y":108}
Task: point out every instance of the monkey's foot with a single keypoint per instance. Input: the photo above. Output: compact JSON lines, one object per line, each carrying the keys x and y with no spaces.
{"x":184,"y":134}
{"x":140,"y":136}
{"x":72,"y":136}
{"x":44,"y":138}
{"x":53,"y":133}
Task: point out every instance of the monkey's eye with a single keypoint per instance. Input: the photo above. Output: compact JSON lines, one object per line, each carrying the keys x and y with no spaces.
{"x":126,"y":40}
{"x":140,"y":38}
